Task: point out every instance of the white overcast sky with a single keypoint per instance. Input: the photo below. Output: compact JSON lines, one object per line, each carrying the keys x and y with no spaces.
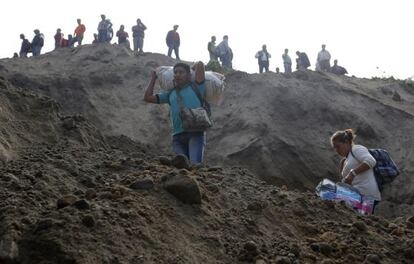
{"x":368,"y":37}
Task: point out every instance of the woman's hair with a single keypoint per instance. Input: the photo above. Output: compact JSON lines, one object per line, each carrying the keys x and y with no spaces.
{"x":186,"y":67}
{"x":344,"y":136}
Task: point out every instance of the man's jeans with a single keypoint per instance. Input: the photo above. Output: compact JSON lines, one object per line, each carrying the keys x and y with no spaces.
{"x":288,"y":67}
{"x":176,"y":51}
{"x":36,"y":50}
{"x":138,"y":43}
{"x":263,"y":65}
{"x":190,"y":144}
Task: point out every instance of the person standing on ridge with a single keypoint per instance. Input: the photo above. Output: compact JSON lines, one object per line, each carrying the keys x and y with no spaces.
{"x":79,"y":32}
{"x":324,"y":58}
{"x":263,"y":57}
{"x":173,"y":42}
{"x":37,"y":43}
{"x":188,"y":94}
{"x":302,"y":61}
{"x":122,"y":35}
{"x":58,"y":38}
{"x":287,"y":62}
{"x":211,"y":47}
{"x":224,"y":52}
{"x":105,"y":32}
{"x":138,"y":36}
{"x":25,"y":47}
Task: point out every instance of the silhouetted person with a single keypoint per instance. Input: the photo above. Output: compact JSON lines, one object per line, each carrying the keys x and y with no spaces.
{"x":287,"y":62}
{"x":79,"y":32}
{"x":211,"y":47}
{"x":263,"y":57}
{"x":339,"y":70}
{"x":15,"y":55}
{"x":138,"y":35}
{"x":105,"y":31}
{"x":302,"y":62}
{"x":324,"y":58}
{"x":95,"y":38}
{"x":224,"y":52}
{"x":25,"y":47}
{"x":122,"y":35}
{"x":58,"y":38}
{"x":37,"y":43}
{"x":277,"y":70}
{"x":173,"y":42}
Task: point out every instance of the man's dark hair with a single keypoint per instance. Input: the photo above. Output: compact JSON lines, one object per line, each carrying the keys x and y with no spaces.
{"x":186,"y":67}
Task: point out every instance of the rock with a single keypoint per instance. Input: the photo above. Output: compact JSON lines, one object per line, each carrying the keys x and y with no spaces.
{"x":373,"y":258}
{"x":66,"y":201}
{"x":250,"y":246}
{"x":260,"y":261}
{"x":145,"y":184}
{"x":181,"y":162}
{"x":81,"y":204}
{"x":410,"y":219}
{"x":184,"y":188}
{"x":165,"y":161}
{"x":9,"y":251}
{"x":69,"y":123}
{"x":327,"y":261}
{"x":106,"y":195}
{"x":361,"y":226}
{"x":410,"y":225}
{"x":328,"y":236}
{"x":88,"y":221}
{"x":256,"y":206}
{"x":396,"y":96}
{"x":90,"y":194}
{"x":323,"y":248}
{"x":282,"y":260}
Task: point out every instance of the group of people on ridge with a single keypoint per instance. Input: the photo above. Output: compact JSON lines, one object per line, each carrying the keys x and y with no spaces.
{"x":222,"y":51}
{"x":302,"y":61}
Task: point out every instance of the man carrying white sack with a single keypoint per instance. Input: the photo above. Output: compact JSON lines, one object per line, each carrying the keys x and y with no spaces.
{"x":189,"y":113}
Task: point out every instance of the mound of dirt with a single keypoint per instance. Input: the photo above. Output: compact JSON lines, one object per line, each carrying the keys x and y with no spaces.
{"x":276,"y":125}
{"x":85,"y":177}
{"x":63,"y":203}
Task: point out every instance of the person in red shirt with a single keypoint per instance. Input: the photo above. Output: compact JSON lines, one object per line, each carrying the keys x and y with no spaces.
{"x":79,"y":32}
{"x":122,"y":36}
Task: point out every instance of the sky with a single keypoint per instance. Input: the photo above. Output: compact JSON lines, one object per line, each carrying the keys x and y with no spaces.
{"x":368,"y":37}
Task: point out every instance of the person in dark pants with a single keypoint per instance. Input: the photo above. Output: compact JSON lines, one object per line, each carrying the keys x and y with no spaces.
{"x":263,"y":57}
{"x":37,"y":43}
{"x":186,"y":144}
{"x":173,"y":42}
{"x":25,"y":48}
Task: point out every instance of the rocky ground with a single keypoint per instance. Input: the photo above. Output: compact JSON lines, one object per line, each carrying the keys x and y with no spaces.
{"x":79,"y":185}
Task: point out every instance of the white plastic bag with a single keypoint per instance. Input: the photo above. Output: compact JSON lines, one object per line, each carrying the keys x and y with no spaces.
{"x":214,"y":83}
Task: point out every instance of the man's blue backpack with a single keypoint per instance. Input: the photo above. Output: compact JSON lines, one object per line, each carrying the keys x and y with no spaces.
{"x":385,"y":169}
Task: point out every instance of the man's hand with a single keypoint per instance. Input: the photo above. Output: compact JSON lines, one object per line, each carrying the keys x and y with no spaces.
{"x":349,"y":178}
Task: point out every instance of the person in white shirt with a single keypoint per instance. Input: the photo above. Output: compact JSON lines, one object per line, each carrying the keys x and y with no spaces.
{"x":356,"y":166}
{"x":263,"y":57}
{"x":324,"y":59}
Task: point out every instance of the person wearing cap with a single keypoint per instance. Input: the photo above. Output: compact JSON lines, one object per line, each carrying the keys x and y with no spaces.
{"x":173,"y":42}
{"x":37,"y":42}
{"x":25,"y":48}
{"x":324,"y":58}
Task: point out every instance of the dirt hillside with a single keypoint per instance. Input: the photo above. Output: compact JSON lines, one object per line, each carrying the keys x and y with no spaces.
{"x":84,"y":178}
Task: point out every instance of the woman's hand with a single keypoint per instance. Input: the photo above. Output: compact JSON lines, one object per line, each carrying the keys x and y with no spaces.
{"x":349,"y":178}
